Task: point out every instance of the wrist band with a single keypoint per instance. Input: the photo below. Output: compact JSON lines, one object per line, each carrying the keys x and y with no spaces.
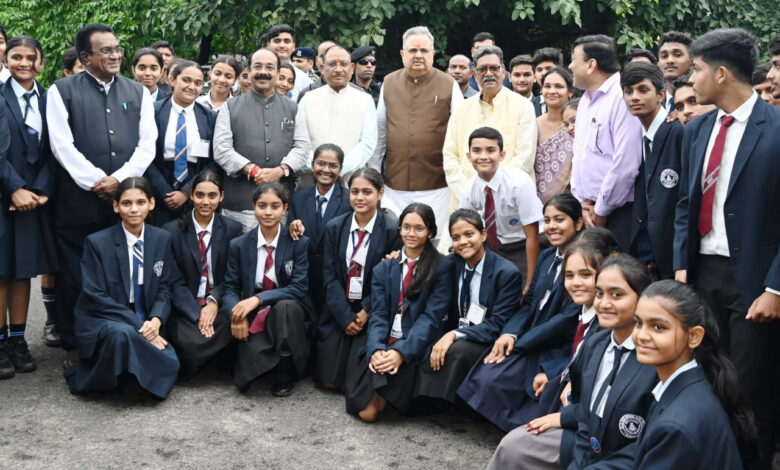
{"x":254,"y":171}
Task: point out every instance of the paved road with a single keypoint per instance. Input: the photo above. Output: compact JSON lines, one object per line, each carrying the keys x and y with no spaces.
{"x":206,"y":423}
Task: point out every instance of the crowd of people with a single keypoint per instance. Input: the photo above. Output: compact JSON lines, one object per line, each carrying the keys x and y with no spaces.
{"x":587,"y":255}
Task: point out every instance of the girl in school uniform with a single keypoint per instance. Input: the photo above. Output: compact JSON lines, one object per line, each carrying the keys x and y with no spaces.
{"x":26,"y":242}
{"x":484,"y":298}
{"x":610,"y":393}
{"x":5,"y":74}
{"x":540,"y":332}
{"x":410,"y":296}
{"x":200,"y":240}
{"x":147,"y":68}
{"x":184,"y":132}
{"x":353,"y":244}
{"x":286,"y":81}
{"x":265,"y":297}
{"x":125,"y":301}
{"x":223,"y":74}
{"x":697,"y":404}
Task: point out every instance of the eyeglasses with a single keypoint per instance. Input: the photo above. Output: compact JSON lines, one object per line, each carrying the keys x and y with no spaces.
{"x":367,"y":62}
{"x":323,"y":164}
{"x":419,"y":230}
{"x":482,"y":69}
{"x":107,"y":51}
{"x":415,"y":51}
{"x":333,"y":65}
{"x":266,"y":67}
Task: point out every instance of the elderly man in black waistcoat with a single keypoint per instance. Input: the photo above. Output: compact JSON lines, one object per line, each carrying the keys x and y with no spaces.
{"x":102,"y":131}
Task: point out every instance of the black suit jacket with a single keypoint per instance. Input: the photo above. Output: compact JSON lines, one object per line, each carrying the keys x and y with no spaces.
{"x":656,"y":192}
{"x":186,"y":252}
{"x":536,"y":100}
{"x":752,"y":206}
{"x":5,"y":143}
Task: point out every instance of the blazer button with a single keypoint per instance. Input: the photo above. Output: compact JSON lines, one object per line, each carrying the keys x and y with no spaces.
{"x":267,"y":158}
{"x":111,"y":132}
{"x":113,"y":154}
{"x":267,"y":141}
{"x":266,"y":124}
{"x":731,"y":214}
{"x":108,"y":110}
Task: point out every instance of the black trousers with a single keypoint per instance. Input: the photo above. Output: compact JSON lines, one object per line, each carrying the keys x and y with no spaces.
{"x":619,"y":223}
{"x":751,"y":346}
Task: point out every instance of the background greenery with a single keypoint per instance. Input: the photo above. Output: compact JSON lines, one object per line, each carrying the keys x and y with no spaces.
{"x":200,"y":28}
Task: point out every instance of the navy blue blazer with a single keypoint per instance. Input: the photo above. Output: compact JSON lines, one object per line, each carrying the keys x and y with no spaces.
{"x":688,"y":419}
{"x":337,"y":311}
{"x":420,"y":323}
{"x":625,"y":411}
{"x":291,"y":263}
{"x":303,"y":206}
{"x":160,"y":172}
{"x":163,"y":91}
{"x":105,"y":281}
{"x":498,"y":292}
{"x":536,"y":100}
{"x":186,"y":252}
{"x":656,"y":192}
{"x":752,"y":202}
{"x":5,"y":143}
{"x":30,"y":161}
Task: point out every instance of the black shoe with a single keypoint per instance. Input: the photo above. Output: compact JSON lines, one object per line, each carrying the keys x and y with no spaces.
{"x":50,"y":335}
{"x":7,"y":369}
{"x":282,"y":389}
{"x":284,"y":381}
{"x":19,"y":354}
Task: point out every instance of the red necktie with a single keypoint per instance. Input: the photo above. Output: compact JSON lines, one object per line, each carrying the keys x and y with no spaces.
{"x":204,"y":266}
{"x":711,"y":177}
{"x":258,"y":324}
{"x":355,"y":269}
{"x":490,"y":220}
{"x":402,"y":295}
{"x":578,"y":336}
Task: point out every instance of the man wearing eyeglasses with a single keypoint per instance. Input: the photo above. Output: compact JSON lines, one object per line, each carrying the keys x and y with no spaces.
{"x":364,"y":59}
{"x":495,"y":106}
{"x":339,"y":114}
{"x":414,"y":106}
{"x":102,"y":131}
{"x":257,"y":139}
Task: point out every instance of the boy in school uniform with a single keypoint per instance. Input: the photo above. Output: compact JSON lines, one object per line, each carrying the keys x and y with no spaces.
{"x":505,"y":201}
{"x":656,"y":189}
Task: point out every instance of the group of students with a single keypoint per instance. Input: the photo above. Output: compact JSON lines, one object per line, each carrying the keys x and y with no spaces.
{"x":585,"y":362}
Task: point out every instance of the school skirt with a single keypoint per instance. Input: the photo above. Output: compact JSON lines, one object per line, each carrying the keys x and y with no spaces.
{"x":498,"y":391}
{"x":443,"y":384}
{"x":286,"y":332}
{"x":397,"y":389}
{"x":120,"y":348}
{"x":337,"y":355}
{"x":26,"y":244}
{"x":194,"y":349}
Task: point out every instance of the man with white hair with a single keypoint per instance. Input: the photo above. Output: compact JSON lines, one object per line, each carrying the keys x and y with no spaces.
{"x":415,"y":105}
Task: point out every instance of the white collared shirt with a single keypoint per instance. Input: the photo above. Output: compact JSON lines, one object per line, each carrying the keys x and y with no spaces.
{"x":131,"y":241}
{"x":517,"y":203}
{"x":5,"y":74}
{"x":193,"y":136}
{"x":154,"y":95}
{"x":262,"y":254}
{"x":659,"y":119}
{"x":607,"y":361}
{"x":661,"y":387}
{"x":206,"y":101}
{"x":327,"y":197}
{"x":716,"y":242}
{"x":106,"y":85}
{"x":476,"y":283}
{"x":353,"y":237}
{"x":34,"y":118}
{"x":206,"y":241}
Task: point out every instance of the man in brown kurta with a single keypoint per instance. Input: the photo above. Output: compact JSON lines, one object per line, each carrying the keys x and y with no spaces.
{"x":414,"y":107}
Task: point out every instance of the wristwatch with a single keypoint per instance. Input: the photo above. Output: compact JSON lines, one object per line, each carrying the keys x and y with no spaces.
{"x":286,"y":170}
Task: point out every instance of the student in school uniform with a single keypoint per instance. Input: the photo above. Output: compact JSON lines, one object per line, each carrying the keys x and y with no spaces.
{"x":125,"y":301}
{"x":657,"y":186}
{"x":184,"y":132}
{"x":200,"y":239}
{"x":507,"y":202}
{"x":5,"y":74}
{"x":610,"y":393}
{"x":484,"y":298}
{"x":540,"y":331}
{"x":265,"y":297}
{"x":147,"y":68}
{"x":223,"y":73}
{"x":353,"y":244}
{"x":27,"y":242}
{"x":410,"y":296}
{"x":697,"y":404}
{"x":312,"y":208}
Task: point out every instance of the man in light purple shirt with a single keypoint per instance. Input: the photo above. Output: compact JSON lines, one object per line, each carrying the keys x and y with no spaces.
{"x":607,"y":139}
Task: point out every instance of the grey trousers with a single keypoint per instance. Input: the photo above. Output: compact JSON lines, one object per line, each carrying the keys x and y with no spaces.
{"x":523,"y":450}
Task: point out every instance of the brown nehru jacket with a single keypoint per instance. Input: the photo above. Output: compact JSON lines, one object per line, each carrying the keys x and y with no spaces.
{"x":417,"y":115}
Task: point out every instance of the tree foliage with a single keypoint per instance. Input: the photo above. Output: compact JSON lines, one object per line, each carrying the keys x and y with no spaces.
{"x":200,"y":28}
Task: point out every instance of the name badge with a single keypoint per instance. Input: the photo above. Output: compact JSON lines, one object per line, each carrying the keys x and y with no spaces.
{"x":355,"y":288}
{"x":476,"y":313}
{"x":202,"y":287}
{"x":463,"y":323}
{"x":396,"y":331}
{"x":201,"y":149}
{"x":140,"y":275}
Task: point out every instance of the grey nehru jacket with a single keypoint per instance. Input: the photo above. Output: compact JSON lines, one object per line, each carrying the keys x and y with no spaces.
{"x":251,"y":129}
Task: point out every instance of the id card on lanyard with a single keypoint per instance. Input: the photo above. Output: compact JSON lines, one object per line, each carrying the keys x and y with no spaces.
{"x":396,"y":331}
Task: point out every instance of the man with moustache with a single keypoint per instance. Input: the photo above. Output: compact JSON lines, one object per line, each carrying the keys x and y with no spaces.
{"x":364,"y":58}
{"x":674,"y":60}
{"x":102,"y":131}
{"x":339,"y":114}
{"x":258,"y":139}
{"x":414,"y":106}
{"x":460,"y":70}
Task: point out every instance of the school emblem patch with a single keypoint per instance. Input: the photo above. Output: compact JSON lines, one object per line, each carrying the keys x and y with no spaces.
{"x":158,"y":267}
{"x":288,"y":267}
{"x":631,"y":426}
{"x":669,"y":178}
